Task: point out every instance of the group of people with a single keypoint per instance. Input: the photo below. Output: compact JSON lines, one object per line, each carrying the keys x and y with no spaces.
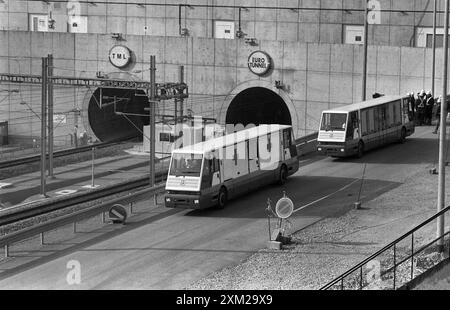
{"x":422,"y":107}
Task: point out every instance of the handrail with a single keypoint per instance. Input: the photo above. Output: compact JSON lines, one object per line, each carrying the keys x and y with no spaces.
{"x":387,"y":247}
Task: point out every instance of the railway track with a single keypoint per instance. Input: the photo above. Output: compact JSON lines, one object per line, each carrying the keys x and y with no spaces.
{"x":36,"y":158}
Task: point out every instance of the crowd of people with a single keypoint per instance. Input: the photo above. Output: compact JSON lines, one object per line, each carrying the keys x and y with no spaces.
{"x":424,"y":107}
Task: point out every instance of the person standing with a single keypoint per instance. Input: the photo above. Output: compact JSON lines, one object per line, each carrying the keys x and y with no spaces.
{"x":438,"y":114}
{"x":420,"y":105}
{"x":412,"y":106}
{"x":429,"y":104}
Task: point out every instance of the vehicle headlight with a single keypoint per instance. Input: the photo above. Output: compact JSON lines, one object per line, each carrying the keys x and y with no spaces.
{"x":196,"y":201}
{"x":342,"y":150}
{"x":319,"y":149}
{"x":168,"y":199}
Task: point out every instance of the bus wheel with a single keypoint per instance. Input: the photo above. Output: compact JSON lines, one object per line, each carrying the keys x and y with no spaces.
{"x":360,"y":149}
{"x":403,"y":135}
{"x":283,"y":175}
{"x":222,"y":198}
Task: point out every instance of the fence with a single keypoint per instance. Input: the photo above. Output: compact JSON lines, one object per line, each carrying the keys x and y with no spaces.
{"x":396,"y":264}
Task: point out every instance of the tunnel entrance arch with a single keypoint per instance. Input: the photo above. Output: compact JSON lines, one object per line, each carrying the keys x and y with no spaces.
{"x":258,"y":105}
{"x":99,"y":119}
{"x":106,"y":125}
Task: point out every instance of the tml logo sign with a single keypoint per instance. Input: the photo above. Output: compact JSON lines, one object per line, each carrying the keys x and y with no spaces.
{"x":119,"y":56}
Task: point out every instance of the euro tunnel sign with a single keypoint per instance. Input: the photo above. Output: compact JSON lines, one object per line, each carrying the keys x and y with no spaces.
{"x":284,"y":208}
{"x":118,"y":214}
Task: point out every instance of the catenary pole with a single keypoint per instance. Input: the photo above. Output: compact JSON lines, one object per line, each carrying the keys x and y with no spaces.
{"x":366,"y":42}
{"x":433,"y":68}
{"x":442,"y":136}
{"x":50,"y":116}
{"x":152,"y":109}
{"x":43,"y":123}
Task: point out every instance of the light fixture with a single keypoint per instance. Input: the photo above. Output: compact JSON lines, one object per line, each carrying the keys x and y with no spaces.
{"x":117,"y":36}
{"x":251,"y":41}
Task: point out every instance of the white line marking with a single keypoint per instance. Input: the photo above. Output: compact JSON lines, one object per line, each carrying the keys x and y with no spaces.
{"x":325,"y":197}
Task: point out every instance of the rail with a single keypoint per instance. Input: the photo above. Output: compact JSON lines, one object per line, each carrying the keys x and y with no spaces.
{"x":8,"y":240}
{"x":62,"y":153}
{"x":40,"y":207}
{"x":338,"y":283}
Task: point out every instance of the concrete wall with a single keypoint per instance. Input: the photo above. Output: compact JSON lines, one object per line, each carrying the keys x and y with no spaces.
{"x":316,"y":76}
{"x":305,"y":24}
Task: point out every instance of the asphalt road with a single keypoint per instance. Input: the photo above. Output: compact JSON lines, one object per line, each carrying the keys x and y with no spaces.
{"x":176,"y":247}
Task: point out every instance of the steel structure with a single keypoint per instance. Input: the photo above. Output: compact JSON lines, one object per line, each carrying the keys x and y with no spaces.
{"x":164,"y":91}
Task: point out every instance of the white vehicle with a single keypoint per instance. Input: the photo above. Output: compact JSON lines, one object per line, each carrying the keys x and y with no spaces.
{"x":211,"y":172}
{"x":356,"y":128}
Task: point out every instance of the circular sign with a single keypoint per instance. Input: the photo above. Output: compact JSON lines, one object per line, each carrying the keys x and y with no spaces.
{"x":118,"y":214}
{"x":284,"y":208}
{"x":119,"y":56}
{"x":259,"y":62}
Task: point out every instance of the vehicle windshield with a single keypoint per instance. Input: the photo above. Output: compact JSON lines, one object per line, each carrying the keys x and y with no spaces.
{"x":186,"y":165}
{"x":334,"y":122}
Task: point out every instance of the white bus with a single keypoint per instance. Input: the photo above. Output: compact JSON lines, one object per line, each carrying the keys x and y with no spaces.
{"x":210,"y":173}
{"x":356,"y":128}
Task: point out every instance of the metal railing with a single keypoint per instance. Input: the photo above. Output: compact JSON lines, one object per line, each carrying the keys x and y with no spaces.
{"x":355,"y":276}
{"x":40,"y":229}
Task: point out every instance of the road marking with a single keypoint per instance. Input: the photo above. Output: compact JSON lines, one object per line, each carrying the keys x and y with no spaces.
{"x":325,"y":197}
{"x":90,"y":186}
{"x":66,"y":192}
{"x":5,"y":185}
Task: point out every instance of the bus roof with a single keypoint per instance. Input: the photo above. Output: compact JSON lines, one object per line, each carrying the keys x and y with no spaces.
{"x":365,"y":104}
{"x":230,"y":139}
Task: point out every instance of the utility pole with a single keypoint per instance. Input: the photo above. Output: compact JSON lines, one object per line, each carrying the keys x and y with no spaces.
{"x":442,"y":136}
{"x":433,"y":69}
{"x":152,"y":103}
{"x":181,"y":99}
{"x":43,"y":123}
{"x":181,"y":79}
{"x":50,"y":116}
{"x":366,"y":43}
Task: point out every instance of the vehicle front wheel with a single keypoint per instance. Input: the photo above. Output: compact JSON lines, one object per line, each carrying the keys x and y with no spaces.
{"x":283,"y":175}
{"x":403,"y":135}
{"x":360,"y":149}
{"x":222,"y":198}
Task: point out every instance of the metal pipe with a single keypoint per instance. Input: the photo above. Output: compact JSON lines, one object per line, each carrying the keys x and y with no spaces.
{"x":412,"y":256}
{"x":433,"y":69}
{"x":442,"y":136}
{"x":346,"y":10}
{"x":366,"y":42}
{"x":43,"y":123}
{"x":93,"y":168}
